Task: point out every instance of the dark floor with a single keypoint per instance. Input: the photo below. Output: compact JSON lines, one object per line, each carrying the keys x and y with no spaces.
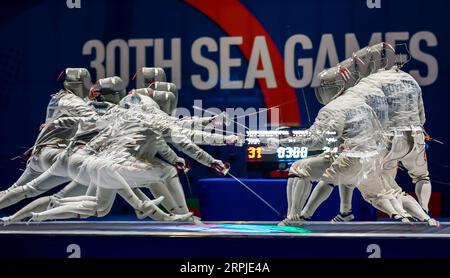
{"x":233,"y":229}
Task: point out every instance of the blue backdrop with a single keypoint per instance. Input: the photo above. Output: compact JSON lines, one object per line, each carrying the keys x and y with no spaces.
{"x":196,"y":42}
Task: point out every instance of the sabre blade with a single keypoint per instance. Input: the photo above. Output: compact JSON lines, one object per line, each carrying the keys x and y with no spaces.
{"x":254,"y":193}
{"x":306,"y":105}
{"x":437,"y":141}
{"x":204,"y":110}
{"x":188,"y":183}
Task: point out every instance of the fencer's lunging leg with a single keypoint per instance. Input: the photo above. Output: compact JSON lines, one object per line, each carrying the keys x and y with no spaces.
{"x":38,"y":205}
{"x":28,"y":175}
{"x":346,"y":196}
{"x":43,"y":203}
{"x":386,"y":206}
{"x":39,"y":185}
{"x":416,"y":164}
{"x":320,"y":193}
{"x":299,"y":184}
{"x":160,"y":189}
{"x":176,"y":191}
{"x":82,"y":209}
{"x":414,"y":209}
{"x":423,"y":193}
{"x":300,"y":193}
{"x":36,"y":165}
{"x":65,"y":209}
{"x":289,"y":192}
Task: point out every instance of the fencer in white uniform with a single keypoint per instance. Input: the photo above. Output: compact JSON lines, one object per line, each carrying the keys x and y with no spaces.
{"x":52,"y":139}
{"x":151,"y":82}
{"x":117,"y":163}
{"x":406,"y":122}
{"x":361,"y":149}
{"x":406,"y":117}
{"x":155,"y":79}
{"x":106,"y":89}
{"x":101,"y":97}
{"x":174,"y":197}
{"x":374,"y":97}
{"x":186,"y":127}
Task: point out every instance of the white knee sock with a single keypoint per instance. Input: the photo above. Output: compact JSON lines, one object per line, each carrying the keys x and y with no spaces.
{"x":346,"y":195}
{"x":176,"y":190}
{"x":71,"y":210}
{"x":423,"y":192}
{"x":300,"y":193}
{"x":385,"y":206}
{"x":320,"y":193}
{"x":413,"y":208}
{"x":37,"y":205}
{"x":289,"y":192}
{"x":397,"y":205}
{"x":160,"y":189}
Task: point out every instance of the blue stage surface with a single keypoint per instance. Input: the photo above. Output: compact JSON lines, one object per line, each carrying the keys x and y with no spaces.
{"x":138,"y":239}
{"x":225,"y":199}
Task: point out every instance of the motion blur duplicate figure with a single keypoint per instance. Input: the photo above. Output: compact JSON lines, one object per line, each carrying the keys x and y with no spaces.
{"x":103,"y":95}
{"x":191,"y":127}
{"x":167,"y":102}
{"x":364,"y":66}
{"x":116,"y":166}
{"x":146,"y":76}
{"x":95,"y":202}
{"x":109,"y":164}
{"x":299,"y":182}
{"x":176,"y":203}
{"x":361,"y":65}
{"x":359,"y":136}
{"x":52,"y":139}
{"x":119,"y":172}
{"x":374,"y":97}
{"x":406,"y":117}
{"x":406,"y":120}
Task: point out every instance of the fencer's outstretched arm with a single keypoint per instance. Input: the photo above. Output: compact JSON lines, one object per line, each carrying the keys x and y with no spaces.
{"x":165,"y":151}
{"x":201,"y":121}
{"x":196,"y":121}
{"x":208,"y":138}
{"x":327,"y":125}
{"x":185,"y":145}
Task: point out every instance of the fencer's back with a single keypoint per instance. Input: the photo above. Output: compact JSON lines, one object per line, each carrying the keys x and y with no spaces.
{"x":403,"y":95}
{"x":374,"y":97}
{"x":361,"y":128}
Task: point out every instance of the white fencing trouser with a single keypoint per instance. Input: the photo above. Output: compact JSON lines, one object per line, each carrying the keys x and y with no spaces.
{"x":43,"y":203}
{"x":380,"y":190}
{"x":41,"y":184}
{"x":366,"y":174}
{"x":408,"y":147}
{"x":343,"y":170}
{"x":36,"y":165}
{"x":121,"y":178}
{"x":301,"y":173}
{"x":165,"y":182}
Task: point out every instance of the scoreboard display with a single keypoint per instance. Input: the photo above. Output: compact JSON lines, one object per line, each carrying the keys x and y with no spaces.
{"x":285,"y":154}
{"x":275,"y":161}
